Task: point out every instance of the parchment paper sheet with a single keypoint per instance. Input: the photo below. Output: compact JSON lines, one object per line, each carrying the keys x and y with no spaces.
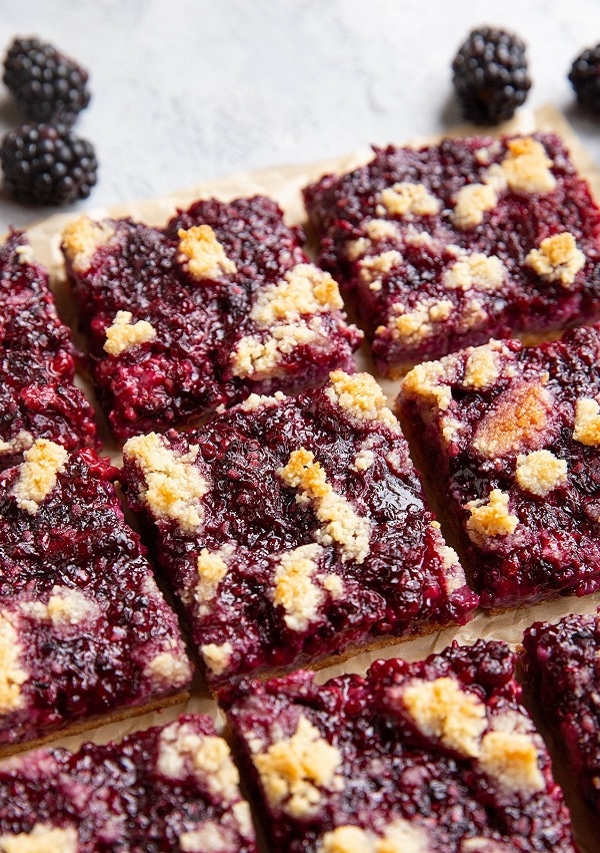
{"x":284,"y":184}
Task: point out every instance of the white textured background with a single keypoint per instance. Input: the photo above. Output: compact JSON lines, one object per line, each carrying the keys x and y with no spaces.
{"x":189,"y":90}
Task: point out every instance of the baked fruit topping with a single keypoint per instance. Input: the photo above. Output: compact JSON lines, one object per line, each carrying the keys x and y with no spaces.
{"x":219,"y":304}
{"x":84,"y":629}
{"x":38,"y":397}
{"x":171,"y":788}
{"x":450,"y":245}
{"x":437,"y":755}
{"x":295,"y":528}
{"x":516,"y":433}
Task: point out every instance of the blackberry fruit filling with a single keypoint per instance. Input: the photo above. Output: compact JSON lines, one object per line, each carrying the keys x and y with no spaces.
{"x":219,"y":304}
{"x":295,"y":528}
{"x":449,"y":245}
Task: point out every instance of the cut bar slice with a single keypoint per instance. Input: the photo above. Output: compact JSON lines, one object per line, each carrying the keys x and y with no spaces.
{"x":516,"y":434}
{"x":437,"y":756}
{"x":449,"y":245}
{"x":173,"y":788}
{"x":38,"y":397}
{"x":84,"y":629}
{"x":295,"y":528}
{"x":221,"y":303}
{"x":562,"y":664}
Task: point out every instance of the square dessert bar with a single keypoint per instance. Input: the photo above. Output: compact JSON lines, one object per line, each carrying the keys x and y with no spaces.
{"x":219,"y":304}
{"x":562,"y":665}
{"x":437,"y":756}
{"x":516,"y":434}
{"x":38,"y":397}
{"x":295,"y":528}
{"x":84,"y":629}
{"x":173,"y":788}
{"x":449,"y":245}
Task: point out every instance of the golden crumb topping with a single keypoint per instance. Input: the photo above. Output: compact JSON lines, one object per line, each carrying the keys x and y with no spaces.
{"x":586,"y":428}
{"x":373,"y":268}
{"x":557,"y":259}
{"x":491,"y":518}
{"x":342,"y":524}
{"x":182,"y":750}
{"x":482,"y":368}
{"x":212,"y":568}
{"x":169,"y":669}
{"x":361,"y":397}
{"x":123,"y":334}
{"x":442,"y":709}
{"x":471,"y":202}
{"x":305,"y":289}
{"x":540,"y":472}
{"x":527,"y":167}
{"x":475,"y":272}
{"x":217,"y":656}
{"x":81,"y":239}
{"x":12,"y":675}
{"x":202,"y":254}
{"x":38,"y":474}
{"x":420,"y":321}
{"x":295,"y":590}
{"x":511,"y":758}
{"x":295,"y":771}
{"x":519,"y":420}
{"x":399,"y":836}
{"x":43,"y":838}
{"x":381,"y":229}
{"x":408,"y":199}
{"x":425,"y":382}
{"x":174,"y":486}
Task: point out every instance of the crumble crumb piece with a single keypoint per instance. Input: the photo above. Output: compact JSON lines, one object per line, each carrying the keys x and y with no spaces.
{"x":557,"y":259}
{"x":586,"y":428}
{"x":304,"y":289}
{"x":425,"y":381}
{"x":409,"y":199}
{"x":527,"y":167}
{"x":38,"y":474}
{"x":81,"y":239}
{"x":476,"y":271}
{"x":472,"y":201}
{"x":519,"y":420}
{"x":123,"y":334}
{"x":511,"y":758}
{"x":12,"y":676}
{"x":169,"y":668}
{"x":540,"y":472}
{"x":217,"y":657}
{"x":491,"y":518}
{"x":294,"y":587}
{"x":360,"y":396}
{"x":42,"y":839}
{"x":202,"y":254}
{"x":482,"y":367}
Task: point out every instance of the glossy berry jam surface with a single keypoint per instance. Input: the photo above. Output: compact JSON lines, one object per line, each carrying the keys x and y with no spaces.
{"x":437,"y":755}
{"x":448,"y":245}
{"x":84,"y":629}
{"x":562,"y":665}
{"x":516,"y":435}
{"x":294,"y":528}
{"x":172,"y":788}
{"x":220,"y":303}
{"x":38,"y":398}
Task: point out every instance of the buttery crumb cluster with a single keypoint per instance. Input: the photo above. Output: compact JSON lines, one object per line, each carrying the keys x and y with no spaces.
{"x":294,"y":528}
{"x":450,"y":245}
{"x":517,"y":433}
{"x":432,"y":756}
{"x":220,"y":304}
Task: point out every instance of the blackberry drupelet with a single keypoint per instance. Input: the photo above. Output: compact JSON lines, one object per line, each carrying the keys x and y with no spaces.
{"x":47,"y":164}
{"x":47,"y":85}
{"x":585,"y":78}
{"x":490,"y":75}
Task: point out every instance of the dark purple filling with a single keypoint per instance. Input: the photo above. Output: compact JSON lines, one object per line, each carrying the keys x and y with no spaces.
{"x":78,"y":540}
{"x":562,"y":664}
{"x":113,"y":795}
{"x":186,"y":372}
{"x":392,"y":770}
{"x":340,"y":208}
{"x":399,"y":588}
{"x":37,"y":392}
{"x":557,"y":549}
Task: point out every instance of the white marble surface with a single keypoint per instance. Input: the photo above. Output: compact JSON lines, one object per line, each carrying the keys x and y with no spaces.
{"x":188,"y":90}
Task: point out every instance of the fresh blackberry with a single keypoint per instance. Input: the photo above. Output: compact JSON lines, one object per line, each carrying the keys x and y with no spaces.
{"x":585,"y":78}
{"x":490,"y":75}
{"x":47,"y":85}
{"x":47,"y":164}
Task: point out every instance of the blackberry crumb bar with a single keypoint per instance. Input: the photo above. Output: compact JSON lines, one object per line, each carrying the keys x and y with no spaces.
{"x":171,"y":788}
{"x":221,"y":303}
{"x":562,"y":665}
{"x":449,"y":245}
{"x":438,"y":755}
{"x":84,"y":629}
{"x":38,"y":397}
{"x":516,"y":434}
{"x":295,"y":528}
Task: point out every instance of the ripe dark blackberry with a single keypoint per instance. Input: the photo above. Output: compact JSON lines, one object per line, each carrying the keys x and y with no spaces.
{"x":490,"y":75}
{"x":47,"y":164}
{"x":585,"y":78}
{"x":47,"y":85}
